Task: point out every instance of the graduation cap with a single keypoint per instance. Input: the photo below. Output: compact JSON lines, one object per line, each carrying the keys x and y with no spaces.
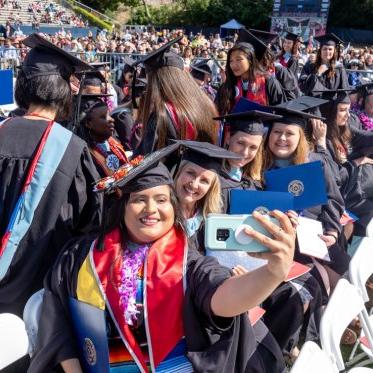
{"x":200,"y":69}
{"x":45,"y":58}
{"x":90,"y":102}
{"x":91,"y":78}
{"x":163,"y":57}
{"x":303,"y":103}
{"x":140,"y":173}
{"x":250,"y":122}
{"x":205,"y":155}
{"x":100,"y":66}
{"x":365,"y":89}
{"x":290,"y":36}
{"x":247,"y":37}
{"x":293,"y":114}
{"x":265,"y":36}
{"x":329,"y":39}
{"x":337,"y":96}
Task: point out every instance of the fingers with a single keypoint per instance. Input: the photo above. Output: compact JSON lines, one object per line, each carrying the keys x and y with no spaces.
{"x":284,"y":221}
{"x":293,"y":216}
{"x":239,"y":270}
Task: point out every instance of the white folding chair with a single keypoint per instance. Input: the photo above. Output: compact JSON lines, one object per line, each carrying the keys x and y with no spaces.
{"x":344,"y":305}
{"x":31,"y":317}
{"x":13,"y":339}
{"x":313,"y":359}
{"x":361,"y":268}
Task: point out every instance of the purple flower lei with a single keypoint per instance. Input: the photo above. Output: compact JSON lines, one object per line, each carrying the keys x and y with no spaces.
{"x":132,"y":262}
{"x":367,"y":121}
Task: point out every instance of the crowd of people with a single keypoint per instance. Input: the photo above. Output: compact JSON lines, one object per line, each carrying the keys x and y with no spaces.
{"x":107,"y":187}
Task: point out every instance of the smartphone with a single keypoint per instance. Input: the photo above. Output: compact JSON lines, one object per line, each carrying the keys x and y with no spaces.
{"x":226,"y":232}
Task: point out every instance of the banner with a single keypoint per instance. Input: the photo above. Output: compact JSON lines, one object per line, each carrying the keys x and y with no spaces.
{"x":6,"y":84}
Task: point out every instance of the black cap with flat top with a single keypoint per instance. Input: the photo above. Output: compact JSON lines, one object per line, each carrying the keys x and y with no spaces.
{"x":247,"y":37}
{"x":290,"y":36}
{"x":265,"y":36}
{"x":337,"y":96}
{"x":250,"y":122}
{"x":45,"y":59}
{"x":205,"y":155}
{"x":163,"y":57}
{"x":329,"y":39}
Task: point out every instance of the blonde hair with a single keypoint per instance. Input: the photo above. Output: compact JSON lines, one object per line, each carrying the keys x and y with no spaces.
{"x":300,"y":155}
{"x":212,"y":202}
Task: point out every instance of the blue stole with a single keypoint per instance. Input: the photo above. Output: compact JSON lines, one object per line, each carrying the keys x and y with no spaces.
{"x":27,"y":203}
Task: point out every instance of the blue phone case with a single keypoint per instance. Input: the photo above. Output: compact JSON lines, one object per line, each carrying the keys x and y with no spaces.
{"x":221,"y":229}
{"x":246,"y":201}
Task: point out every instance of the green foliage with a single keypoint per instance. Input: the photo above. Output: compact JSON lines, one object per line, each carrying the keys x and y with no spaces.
{"x":254,"y":13}
{"x":351,"y":13}
{"x":92,"y":19}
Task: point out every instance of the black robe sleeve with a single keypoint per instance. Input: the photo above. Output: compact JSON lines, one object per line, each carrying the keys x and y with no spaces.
{"x":293,"y":66}
{"x":288,"y":82}
{"x":149,"y":140}
{"x":56,"y":341}
{"x":275,"y":93}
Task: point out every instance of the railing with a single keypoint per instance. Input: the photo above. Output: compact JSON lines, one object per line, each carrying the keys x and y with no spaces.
{"x":71,"y":3}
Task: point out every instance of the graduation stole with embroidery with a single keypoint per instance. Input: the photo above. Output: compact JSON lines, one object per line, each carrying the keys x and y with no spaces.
{"x":256,"y":92}
{"x":163,"y":293}
{"x":100,"y":158}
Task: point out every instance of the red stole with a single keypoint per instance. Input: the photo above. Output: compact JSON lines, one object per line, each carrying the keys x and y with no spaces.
{"x":256,"y":92}
{"x":163,"y":294}
{"x":187,"y":133}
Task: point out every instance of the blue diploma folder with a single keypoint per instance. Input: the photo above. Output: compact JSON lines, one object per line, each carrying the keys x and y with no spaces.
{"x":306,"y":182}
{"x":90,"y":329}
{"x":246,"y":201}
{"x":243,"y":104}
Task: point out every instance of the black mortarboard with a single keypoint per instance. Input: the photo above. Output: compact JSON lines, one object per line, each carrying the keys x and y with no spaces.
{"x":92,"y":78}
{"x":206,"y":155}
{"x":329,"y":39}
{"x":250,"y":122}
{"x":90,"y":102}
{"x":365,"y":89}
{"x":100,"y":66}
{"x":246,"y":36}
{"x":337,"y":96}
{"x":293,"y":116}
{"x":265,"y":36}
{"x":303,"y":103}
{"x":47,"y":59}
{"x":163,"y":57}
{"x":200,"y":69}
{"x":290,"y":36}
{"x":140,"y":174}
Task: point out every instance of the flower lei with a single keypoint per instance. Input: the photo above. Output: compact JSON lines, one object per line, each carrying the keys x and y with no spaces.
{"x":132,"y":262}
{"x":367,"y":121}
{"x":122,"y":171}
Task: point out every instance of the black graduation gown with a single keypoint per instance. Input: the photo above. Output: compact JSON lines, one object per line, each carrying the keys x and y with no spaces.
{"x":288,"y":81}
{"x":355,"y":182}
{"x":68,"y":207}
{"x":214,"y":344}
{"x":293,"y":66}
{"x":275,"y":92}
{"x":284,"y":315}
{"x":149,"y":140}
{"x":310,"y":81}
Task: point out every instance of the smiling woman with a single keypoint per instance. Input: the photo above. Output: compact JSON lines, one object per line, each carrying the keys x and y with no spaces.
{"x":96,"y":128}
{"x":147,"y":299}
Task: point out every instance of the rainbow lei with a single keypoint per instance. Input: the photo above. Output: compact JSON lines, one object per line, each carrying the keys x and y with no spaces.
{"x":132,"y":263}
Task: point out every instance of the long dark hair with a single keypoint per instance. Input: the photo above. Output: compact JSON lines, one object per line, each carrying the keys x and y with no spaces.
{"x":338,"y":135}
{"x":51,"y":91}
{"x":333,"y":62}
{"x":226,"y":92}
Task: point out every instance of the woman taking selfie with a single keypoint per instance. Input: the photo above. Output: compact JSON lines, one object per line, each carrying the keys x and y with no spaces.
{"x":137,"y":282}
